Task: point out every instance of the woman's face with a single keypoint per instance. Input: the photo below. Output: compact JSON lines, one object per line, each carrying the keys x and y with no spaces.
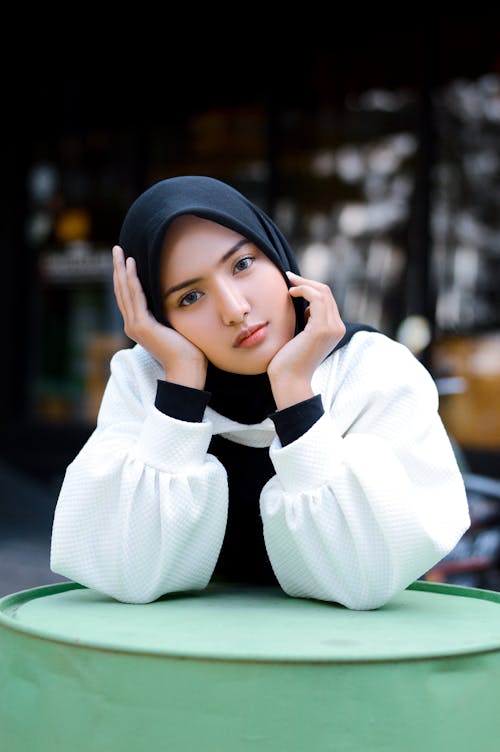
{"x":224,"y":295}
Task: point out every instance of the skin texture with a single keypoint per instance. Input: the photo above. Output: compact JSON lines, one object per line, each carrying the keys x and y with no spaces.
{"x":225,"y":286}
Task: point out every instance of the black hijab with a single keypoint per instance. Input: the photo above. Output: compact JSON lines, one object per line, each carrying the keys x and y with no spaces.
{"x":247,"y":399}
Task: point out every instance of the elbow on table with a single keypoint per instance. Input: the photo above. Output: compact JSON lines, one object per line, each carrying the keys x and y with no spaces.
{"x":364,"y":599}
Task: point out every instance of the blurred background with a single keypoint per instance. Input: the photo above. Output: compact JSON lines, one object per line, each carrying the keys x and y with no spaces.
{"x":373,"y":141}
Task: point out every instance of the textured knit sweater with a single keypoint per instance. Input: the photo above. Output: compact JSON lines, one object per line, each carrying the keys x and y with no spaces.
{"x":352,"y":510}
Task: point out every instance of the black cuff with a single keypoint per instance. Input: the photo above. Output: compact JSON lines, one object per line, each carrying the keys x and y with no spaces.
{"x":181,"y":402}
{"x":294,"y":421}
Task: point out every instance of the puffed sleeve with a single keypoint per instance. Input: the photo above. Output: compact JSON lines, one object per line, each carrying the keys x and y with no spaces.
{"x":142,"y":509}
{"x":371,"y":496}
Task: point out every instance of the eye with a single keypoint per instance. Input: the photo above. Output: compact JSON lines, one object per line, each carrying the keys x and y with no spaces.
{"x":244,"y":263}
{"x":189,"y":298}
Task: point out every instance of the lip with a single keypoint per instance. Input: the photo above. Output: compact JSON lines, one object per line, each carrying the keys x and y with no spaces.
{"x":247,"y":332}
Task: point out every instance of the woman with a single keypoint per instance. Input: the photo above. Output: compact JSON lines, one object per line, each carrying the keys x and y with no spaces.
{"x":249,"y":434}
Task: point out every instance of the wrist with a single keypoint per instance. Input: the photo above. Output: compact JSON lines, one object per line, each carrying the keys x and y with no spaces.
{"x":288,"y":392}
{"x":192,"y":376}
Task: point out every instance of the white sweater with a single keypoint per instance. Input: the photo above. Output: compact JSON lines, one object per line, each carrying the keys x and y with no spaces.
{"x":361,"y":505}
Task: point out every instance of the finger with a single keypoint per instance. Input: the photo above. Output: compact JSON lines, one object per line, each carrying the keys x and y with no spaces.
{"x":309,"y":293}
{"x":322,"y":307}
{"x":314,"y":291}
{"x":296,"y":279}
{"x":135,"y":288}
{"x":123,"y":283}
{"x":119,"y":279}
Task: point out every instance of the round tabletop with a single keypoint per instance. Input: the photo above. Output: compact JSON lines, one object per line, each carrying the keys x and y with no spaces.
{"x":226,"y":622}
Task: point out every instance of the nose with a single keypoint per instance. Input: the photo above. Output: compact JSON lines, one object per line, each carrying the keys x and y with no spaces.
{"x":233,"y":305}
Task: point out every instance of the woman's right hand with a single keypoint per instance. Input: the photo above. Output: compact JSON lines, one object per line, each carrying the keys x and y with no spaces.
{"x":183,"y":362}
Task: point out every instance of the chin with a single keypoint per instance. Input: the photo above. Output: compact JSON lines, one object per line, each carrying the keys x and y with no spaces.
{"x":250,"y":364}
{"x":248,"y":369}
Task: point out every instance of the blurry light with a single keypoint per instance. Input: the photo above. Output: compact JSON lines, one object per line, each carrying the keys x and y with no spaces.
{"x":450,"y":385}
{"x":319,"y":226}
{"x":492,"y":110}
{"x":353,"y":220}
{"x":356,"y":219}
{"x":375,"y":187}
{"x":484,"y":361}
{"x":382,"y":159}
{"x":489,"y":86}
{"x":286,"y":215}
{"x":386,"y":156}
{"x":455,"y":308}
{"x":440,"y":222}
{"x":404,"y":144}
{"x":79,"y":262}
{"x":402,"y":186}
{"x":315,"y":262}
{"x":384,"y":262}
{"x":462,"y":99}
{"x":42,"y":182}
{"x":350,"y":164}
{"x":466,"y":266}
{"x":481,"y":164}
{"x":73,"y":224}
{"x":38,"y":227}
{"x":347,"y":256}
{"x":323,"y":164}
{"x":380,"y":99}
{"x":415,"y":333}
{"x":468,"y":229}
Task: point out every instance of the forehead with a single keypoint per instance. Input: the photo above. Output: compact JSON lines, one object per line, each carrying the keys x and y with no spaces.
{"x":192,"y":243}
{"x":186,"y":230}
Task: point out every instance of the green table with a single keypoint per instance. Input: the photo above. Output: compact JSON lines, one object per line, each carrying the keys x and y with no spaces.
{"x":237,"y":668}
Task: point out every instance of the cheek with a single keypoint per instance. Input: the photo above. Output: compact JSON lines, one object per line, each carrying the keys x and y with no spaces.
{"x":179,"y":322}
{"x":282,"y":302}
{"x":193,"y":326}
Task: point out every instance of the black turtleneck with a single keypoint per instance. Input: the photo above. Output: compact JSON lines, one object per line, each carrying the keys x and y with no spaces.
{"x":243,"y":557}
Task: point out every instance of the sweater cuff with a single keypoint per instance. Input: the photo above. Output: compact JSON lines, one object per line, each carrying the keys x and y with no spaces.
{"x":310,"y":461}
{"x":294,"y":421}
{"x":169,"y":444}
{"x":181,"y":402}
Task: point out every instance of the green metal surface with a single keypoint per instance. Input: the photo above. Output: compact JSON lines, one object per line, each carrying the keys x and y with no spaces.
{"x":236,"y":669}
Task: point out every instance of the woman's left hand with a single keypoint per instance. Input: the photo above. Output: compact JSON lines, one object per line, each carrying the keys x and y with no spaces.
{"x":291,"y":370}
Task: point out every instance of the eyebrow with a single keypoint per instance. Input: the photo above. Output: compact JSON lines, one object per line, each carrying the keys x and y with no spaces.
{"x":194,"y":280}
